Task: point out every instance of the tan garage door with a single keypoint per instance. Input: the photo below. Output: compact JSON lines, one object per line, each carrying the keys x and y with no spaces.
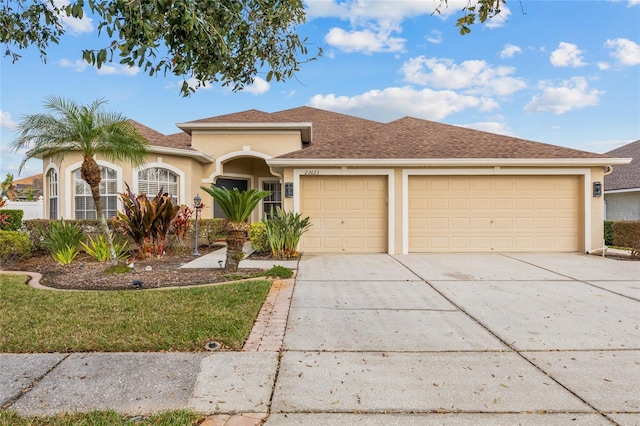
{"x":348,"y":213}
{"x":494,"y":213}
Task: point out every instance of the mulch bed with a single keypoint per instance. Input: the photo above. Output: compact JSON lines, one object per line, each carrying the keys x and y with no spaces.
{"x":84,"y":273}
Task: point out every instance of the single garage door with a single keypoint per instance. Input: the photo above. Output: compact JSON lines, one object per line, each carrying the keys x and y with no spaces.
{"x":348,"y":214}
{"x":494,"y":213}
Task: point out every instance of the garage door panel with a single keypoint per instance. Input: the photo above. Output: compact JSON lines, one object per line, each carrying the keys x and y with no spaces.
{"x":351,"y":214}
{"x":508,"y":213}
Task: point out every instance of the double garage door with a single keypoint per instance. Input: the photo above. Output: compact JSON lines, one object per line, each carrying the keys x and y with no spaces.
{"x":493,"y":213}
{"x":445,"y":213}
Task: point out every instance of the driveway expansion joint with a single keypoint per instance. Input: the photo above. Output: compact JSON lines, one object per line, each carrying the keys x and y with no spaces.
{"x":510,"y":346}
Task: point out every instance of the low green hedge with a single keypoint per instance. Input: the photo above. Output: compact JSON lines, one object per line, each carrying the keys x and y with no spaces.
{"x":13,"y":221}
{"x":14,"y":245}
{"x":626,"y":233}
{"x":608,"y":232}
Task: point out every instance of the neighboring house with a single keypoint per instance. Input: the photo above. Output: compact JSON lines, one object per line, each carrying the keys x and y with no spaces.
{"x":622,"y":186}
{"x":406,"y":186}
{"x":28,"y":188}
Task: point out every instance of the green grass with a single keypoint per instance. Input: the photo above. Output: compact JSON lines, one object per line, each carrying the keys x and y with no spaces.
{"x":183,"y":319}
{"x":102,"y":418}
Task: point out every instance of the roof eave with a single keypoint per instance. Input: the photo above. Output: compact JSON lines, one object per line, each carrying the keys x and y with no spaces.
{"x":196,"y":155}
{"x":448,"y":162}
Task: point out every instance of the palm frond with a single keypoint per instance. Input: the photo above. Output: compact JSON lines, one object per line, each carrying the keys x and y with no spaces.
{"x":236,"y":205}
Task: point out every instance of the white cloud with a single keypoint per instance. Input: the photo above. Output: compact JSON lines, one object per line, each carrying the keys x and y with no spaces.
{"x":603,"y":66}
{"x":473,"y":76}
{"x":434,"y":37}
{"x":499,"y":20}
{"x":567,"y":54}
{"x":373,"y":22}
{"x":367,"y":41}
{"x":6,"y":121}
{"x":258,"y":87}
{"x":509,"y":51}
{"x":78,"y":65}
{"x":394,"y":102}
{"x":633,"y":3}
{"x":571,"y":94}
{"x":117,"y":69}
{"x":625,"y":51}
{"x":358,"y":11}
{"x":74,"y":25}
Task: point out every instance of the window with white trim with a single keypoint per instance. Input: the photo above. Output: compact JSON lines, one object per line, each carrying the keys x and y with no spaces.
{"x":152,"y":180}
{"x":274,"y":200}
{"x":52,"y":182}
{"x":84,"y":206}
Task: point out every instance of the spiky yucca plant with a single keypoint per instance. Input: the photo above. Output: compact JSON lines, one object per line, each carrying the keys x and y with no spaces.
{"x":237,"y":205}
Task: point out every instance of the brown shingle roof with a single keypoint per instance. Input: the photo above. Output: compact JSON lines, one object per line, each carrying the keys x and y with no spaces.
{"x":35,"y":180}
{"x":413,"y":138}
{"x":155,"y":138}
{"x":341,"y":136}
{"x":626,"y":176}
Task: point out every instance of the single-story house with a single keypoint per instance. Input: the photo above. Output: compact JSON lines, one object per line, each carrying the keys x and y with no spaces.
{"x":406,"y":186}
{"x":622,"y":185}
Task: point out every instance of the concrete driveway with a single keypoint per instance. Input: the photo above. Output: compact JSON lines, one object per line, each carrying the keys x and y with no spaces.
{"x":461,"y":339}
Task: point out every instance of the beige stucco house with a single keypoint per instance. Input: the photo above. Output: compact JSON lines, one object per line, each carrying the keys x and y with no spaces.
{"x":622,"y":185}
{"x":407,"y":186}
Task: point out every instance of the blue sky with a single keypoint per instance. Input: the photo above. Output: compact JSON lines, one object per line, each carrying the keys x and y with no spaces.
{"x":560,"y":72}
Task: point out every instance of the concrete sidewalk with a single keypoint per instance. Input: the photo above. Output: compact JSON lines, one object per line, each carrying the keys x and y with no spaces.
{"x":378,"y":340}
{"x":218,"y":258}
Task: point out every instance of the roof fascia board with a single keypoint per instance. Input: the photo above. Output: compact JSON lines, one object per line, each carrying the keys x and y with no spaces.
{"x":453,"y":162}
{"x":621,"y":191}
{"x":200,"y":156}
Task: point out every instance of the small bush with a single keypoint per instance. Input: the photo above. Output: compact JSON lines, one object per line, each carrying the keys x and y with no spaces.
{"x":280,"y":271}
{"x":213,"y":229}
{"x":258,"y":237}
{"x":65,"y":255}
{"x":14,"y":245}
{"x":33,"y":229}
{"x":98,"y":249}
{"x":608,"y":233}
{"x":284,"y":230}
{"x":12,"y":220}
{"x":626,"y":233}
{"x":61,"y":235}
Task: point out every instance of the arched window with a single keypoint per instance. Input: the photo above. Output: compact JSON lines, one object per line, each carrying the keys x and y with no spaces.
{"x":52,"y":184}
{"x":84,"y":205}
{"x":151,"y":180}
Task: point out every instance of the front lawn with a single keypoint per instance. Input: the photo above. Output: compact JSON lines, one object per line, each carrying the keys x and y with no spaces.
{"x":182,"y":319}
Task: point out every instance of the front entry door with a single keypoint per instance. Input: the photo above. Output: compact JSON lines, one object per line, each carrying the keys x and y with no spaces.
{"x":241,"y":184}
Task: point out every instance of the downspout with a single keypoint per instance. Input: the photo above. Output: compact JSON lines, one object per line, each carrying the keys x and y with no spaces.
{"x":607,"y":171}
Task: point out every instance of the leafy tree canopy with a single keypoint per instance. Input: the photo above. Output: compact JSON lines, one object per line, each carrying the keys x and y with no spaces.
{"x":227,"y":41}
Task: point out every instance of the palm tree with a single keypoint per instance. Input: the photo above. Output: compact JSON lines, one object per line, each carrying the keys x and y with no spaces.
{"x":87,"y":129}
{"x":237,"y":206}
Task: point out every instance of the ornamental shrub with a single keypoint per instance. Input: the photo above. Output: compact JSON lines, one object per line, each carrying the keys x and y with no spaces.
{"x":61,"y":235}
{"x":11,"y":220}
{"x":14,"y":245}
{"x":284,"y":230}
{"x":608,"y":233}
{"x":626,"y":233}
{"x":258,"y":237}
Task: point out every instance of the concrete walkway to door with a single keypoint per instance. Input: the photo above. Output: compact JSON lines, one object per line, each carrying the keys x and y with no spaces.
{"x":461,"y":339}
